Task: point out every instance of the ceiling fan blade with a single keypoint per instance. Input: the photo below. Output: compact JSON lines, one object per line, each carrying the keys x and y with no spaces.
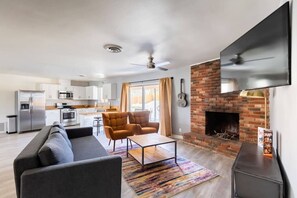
{"x":137,"y":64}
{"x":244,"y":61}
{"x":258,"y":59}
{"x":162,"y":64}
{"x":227,"y":64}
{"x":162,"y":68}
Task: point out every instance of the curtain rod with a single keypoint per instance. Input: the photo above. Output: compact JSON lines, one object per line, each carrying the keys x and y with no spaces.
{"x":148,"y":80}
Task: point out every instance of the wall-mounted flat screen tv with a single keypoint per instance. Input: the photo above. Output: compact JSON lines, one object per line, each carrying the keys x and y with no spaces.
{"x":260,"y":58}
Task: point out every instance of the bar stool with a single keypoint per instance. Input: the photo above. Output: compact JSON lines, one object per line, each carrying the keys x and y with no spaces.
{"x":97,"y":122}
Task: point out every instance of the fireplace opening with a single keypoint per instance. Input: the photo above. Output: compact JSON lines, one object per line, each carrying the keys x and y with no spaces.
{"x":222,"y":125}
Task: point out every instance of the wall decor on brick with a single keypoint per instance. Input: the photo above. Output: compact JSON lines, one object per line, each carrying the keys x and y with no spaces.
{"x":206,"y":96}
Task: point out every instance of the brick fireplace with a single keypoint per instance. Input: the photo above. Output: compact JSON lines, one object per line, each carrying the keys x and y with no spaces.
{"x":222,"y":125}
{"x":206,"y":97}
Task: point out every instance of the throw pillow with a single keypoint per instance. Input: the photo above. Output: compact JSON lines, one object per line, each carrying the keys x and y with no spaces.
{"x":63,"y":133}
{"x":55,"y":151}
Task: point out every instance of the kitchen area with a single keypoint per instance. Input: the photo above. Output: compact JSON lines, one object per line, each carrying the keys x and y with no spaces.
{"x":73,"y":103}
{"x":77,"y":105}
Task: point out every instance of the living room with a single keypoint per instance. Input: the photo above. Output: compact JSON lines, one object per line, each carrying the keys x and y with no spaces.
{"x":42,"y":61}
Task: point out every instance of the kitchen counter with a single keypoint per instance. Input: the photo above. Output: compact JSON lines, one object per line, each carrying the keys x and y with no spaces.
{"x":91,"y":114}
{"x":87,"y":118}
{"x":101,"y":108}
{"x":51,"y":108}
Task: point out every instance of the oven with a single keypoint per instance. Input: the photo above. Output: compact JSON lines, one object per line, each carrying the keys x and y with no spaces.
{"x":68,"y":116}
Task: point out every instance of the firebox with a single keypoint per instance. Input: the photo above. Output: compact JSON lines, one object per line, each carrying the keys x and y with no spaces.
{"x":222,"y":125}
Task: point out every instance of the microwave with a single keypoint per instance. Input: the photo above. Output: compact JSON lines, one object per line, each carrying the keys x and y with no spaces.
{"x":65,"y":95}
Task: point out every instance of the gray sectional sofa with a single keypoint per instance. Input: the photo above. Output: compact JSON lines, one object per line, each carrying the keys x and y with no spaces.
{"x":52,"y":167}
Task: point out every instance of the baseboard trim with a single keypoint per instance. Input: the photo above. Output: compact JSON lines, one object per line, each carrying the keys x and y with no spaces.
{"x":2,"y":127}
{"x":179,"y":137}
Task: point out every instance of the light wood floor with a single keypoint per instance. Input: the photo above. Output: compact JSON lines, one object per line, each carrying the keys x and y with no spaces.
{"x":220,"y":187}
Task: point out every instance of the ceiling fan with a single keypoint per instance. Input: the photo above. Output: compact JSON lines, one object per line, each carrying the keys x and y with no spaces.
{"x":238,"y":60}
{"x":152,"y":65}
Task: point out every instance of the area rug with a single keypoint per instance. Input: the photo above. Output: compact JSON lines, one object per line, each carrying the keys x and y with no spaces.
{"x":163,"y":179}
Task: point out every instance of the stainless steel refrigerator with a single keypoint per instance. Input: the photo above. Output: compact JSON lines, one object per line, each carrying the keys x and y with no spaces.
{"x":30,"y":107}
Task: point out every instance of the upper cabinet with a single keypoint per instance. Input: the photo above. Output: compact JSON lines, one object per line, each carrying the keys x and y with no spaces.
{"x":100,"y":94}
{"x":79,"y":93}
{"x":110,"y":91}
{"x":92,"y":93}
{"x":65,"y":88}
{"x":51,"y":90}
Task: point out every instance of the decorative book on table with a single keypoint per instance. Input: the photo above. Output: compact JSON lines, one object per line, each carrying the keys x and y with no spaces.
{"x":267,"y":143}
{"x":265,"y":140}
{"x":260,"y":136}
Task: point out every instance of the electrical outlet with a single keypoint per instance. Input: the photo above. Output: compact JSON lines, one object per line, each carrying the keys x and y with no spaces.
{"x":179,"y":130}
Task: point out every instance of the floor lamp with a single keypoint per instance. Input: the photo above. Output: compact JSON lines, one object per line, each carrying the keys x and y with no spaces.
{"x":257,"y":94}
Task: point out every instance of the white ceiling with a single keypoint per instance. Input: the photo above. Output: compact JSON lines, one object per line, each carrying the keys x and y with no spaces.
{"x":65,"y":38}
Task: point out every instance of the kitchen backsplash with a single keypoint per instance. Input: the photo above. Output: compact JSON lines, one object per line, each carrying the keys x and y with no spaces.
{"x":75,"y":102}
{"x":69,"y":102}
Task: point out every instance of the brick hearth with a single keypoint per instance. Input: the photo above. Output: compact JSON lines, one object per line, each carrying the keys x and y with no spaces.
{"x":206,"y":96}
{"x":227,"y":147}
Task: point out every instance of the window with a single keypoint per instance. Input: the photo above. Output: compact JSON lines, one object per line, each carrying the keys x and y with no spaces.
{"x":145,"y":97}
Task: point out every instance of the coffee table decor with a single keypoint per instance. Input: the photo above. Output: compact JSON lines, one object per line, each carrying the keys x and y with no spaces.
{"x":162,"y":179}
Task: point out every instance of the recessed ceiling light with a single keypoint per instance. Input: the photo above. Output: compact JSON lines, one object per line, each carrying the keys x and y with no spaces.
{"x":112,"y":48}
{"x":99,"y":75}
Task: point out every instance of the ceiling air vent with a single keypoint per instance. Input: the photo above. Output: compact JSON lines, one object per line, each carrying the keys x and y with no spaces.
{"x":113,"y":48}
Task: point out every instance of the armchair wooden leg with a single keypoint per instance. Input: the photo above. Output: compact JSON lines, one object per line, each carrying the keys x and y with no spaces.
{"x":130,"y":143}
{"x":114,"y":145}
{"x":121,"y":140}
{"x":109,"y":142}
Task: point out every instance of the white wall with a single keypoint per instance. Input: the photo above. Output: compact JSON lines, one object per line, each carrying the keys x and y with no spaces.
{"x":11,"y":83}
{"x":283,"y":116}
{"x":180,"y":115}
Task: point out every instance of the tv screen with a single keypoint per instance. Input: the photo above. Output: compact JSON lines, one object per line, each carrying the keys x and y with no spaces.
{"x":261,"y":57}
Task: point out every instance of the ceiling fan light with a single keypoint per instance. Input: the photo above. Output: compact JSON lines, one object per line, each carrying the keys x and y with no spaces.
{"x":113,"y":48}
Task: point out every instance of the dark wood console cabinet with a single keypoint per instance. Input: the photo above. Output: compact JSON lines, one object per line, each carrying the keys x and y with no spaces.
{"x":254,"y":175}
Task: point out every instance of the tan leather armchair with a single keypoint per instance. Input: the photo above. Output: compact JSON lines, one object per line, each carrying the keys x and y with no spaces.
{"x":116,"y":126}
{"x":141,"y":119}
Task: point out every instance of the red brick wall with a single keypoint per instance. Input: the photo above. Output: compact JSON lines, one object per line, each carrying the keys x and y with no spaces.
{"x":206,"y":96}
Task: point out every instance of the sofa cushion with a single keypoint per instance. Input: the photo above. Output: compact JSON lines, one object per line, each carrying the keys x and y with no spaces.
{"x":117,"y":121}
{"x":139,"y":117}
{"x":87,"y":147}
{"x":121,"y":134}
{"x":28,"y":158}
{"x":55,"y":129}
{"x":146,"y":130}
{"x":55,"y":151}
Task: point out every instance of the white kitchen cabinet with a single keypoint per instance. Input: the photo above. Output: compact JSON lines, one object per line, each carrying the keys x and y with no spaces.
{"x":51,"y":90}
{"x":79,"y":93}
{"x":87,"y":119}
{"x":51,"y":116}
{"x":90,"y":110}
{"x":80,"y":111}
{"x":100,"y":94}
{"x":109,"y":91}
{"x":65,"y":88}
{"x":92,"y":93}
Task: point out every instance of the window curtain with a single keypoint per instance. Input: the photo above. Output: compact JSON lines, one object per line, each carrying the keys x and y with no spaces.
{"x":165,"y":106}
{"x":124,"y":97}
